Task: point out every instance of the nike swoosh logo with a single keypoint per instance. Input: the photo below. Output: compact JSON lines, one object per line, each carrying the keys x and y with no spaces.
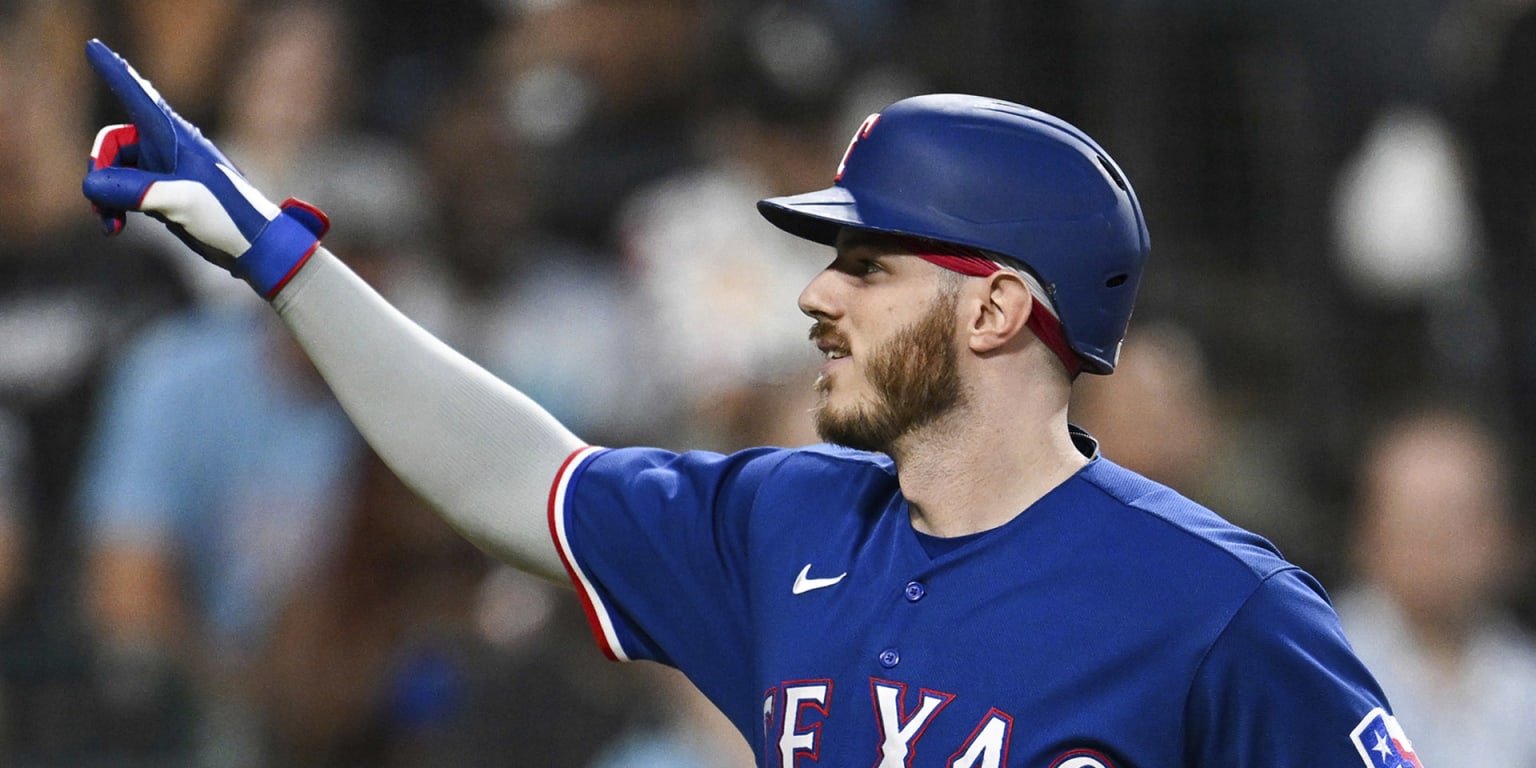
{"x":804,"y":583}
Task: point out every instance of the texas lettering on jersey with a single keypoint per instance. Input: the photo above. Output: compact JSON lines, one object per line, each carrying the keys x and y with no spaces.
{"x":794,"y":712}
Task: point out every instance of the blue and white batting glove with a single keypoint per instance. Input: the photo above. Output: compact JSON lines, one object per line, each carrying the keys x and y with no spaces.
{"x":161,"y":165}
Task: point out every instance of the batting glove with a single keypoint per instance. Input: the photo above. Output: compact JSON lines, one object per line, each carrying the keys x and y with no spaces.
{"x":163,"y":166}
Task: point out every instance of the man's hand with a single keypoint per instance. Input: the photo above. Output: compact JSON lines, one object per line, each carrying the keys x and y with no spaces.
{"x":161,"y":165}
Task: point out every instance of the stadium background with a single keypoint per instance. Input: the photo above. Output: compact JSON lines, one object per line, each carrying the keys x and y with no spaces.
{"x":1343,"y":225}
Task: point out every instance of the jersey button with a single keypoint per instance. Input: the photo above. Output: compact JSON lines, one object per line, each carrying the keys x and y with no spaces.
{"x":889,"y":658}
{"x":915,"y":591}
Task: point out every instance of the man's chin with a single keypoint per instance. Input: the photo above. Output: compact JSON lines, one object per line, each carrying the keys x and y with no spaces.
{"x":850,"y":430}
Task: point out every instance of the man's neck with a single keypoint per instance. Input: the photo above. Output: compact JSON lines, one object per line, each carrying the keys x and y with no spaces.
{"x":967,"y":480}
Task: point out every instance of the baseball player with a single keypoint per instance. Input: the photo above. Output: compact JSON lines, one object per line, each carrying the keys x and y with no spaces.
{"x":958,"y":577}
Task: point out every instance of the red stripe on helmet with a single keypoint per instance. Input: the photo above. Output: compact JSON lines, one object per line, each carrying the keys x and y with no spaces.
{"x":1045,"y":325}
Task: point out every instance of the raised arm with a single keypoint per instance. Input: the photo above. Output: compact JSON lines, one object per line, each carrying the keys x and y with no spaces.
{"x":476,"y":449}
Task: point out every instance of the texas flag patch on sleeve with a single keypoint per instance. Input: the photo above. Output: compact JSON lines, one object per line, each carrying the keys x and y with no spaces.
{"x":1382,"y":743}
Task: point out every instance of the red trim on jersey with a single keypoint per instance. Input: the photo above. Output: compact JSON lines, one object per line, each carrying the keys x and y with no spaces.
{"x":567,"y":559}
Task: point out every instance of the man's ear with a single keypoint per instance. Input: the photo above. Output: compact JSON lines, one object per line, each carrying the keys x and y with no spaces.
{"x":1002,"y":312}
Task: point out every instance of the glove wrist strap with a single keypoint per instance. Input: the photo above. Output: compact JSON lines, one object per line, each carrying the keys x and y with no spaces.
{"x":282,"y":248}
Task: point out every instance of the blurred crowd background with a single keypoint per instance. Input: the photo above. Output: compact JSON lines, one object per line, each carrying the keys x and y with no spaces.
{"x":201,"y":564}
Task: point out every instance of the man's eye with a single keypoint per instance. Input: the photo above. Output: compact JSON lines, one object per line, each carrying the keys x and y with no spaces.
{"x":869,"y":266}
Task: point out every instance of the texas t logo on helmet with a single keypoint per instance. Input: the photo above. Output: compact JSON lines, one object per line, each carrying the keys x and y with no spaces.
{"x":869,"y":122}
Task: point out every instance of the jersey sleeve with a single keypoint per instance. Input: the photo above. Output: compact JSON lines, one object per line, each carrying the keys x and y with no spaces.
{"x":1282,"y":687}
{"x":657,"y":546}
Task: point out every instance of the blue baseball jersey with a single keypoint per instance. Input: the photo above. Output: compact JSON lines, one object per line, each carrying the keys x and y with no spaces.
{"x":1112,"y":623}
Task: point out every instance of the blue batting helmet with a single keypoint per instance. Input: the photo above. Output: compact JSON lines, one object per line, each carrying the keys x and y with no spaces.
{"x":999,"y":177}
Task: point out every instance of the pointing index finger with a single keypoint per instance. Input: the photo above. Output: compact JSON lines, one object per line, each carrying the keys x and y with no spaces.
{"x":146,"y":108}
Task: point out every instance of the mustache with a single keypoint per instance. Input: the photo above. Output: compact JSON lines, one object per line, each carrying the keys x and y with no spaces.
{"x":823,"y":334}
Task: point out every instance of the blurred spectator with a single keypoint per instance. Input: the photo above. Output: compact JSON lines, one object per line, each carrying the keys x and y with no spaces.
{"x":222,"y":470}
{"x":14,"y":468}
{"x":528,"y":688}
{"x":216,"y":482}
{"x":686,"y":730}
{"x":253,"y":564}
{"x":1244,"y":114}
{"x":410,"y":650}
{"x":600,"y":92}
{"x":1499,"y":124}
{"x":1402,"y":214}
{"x":64,"y":306}
{"x":289,"y":117}
{"x":13,"y":556}
{"x":720,"y":286}
{"x":1437,"y":549}
{"x":185,"y":43}
{"x":1030,"y":53}
{"x":1161,"y":415}
{"x":552,"y":315}
{"x":1408,"y":243}
{"x":1409,"y":249}
{"x":322,"y":674}
{"x":409,"y":50}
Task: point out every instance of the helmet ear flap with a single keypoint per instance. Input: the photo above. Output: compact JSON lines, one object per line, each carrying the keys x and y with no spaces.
{"x":1002,"y":178}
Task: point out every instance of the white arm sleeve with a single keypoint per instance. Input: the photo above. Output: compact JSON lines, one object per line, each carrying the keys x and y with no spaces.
{"x":480,"y":452}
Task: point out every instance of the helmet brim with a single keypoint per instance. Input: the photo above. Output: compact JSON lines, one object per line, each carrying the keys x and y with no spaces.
{"x":816,"y":216}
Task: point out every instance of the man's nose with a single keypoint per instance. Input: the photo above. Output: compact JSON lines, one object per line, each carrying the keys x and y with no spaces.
{"x":816,"y":300}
